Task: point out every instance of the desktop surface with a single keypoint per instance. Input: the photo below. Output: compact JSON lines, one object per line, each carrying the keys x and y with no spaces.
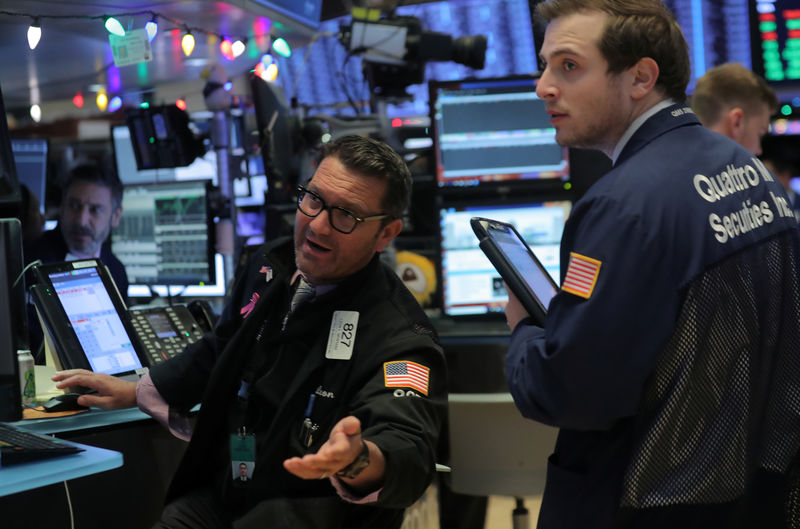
{"x":26,"y":476}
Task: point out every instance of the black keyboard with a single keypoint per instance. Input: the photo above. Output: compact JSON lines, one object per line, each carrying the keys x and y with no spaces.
{"x":19,"y":446}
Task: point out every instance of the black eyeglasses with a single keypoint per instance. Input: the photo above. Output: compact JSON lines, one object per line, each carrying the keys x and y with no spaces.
{"x":341,"y":220}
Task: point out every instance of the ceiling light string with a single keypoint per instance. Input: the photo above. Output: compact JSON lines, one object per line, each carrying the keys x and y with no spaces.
{"x":113,"y":26}
{"x":231,"y":47}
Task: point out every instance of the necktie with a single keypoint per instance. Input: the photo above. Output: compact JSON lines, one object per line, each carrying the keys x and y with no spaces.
{"x":303,"y":293}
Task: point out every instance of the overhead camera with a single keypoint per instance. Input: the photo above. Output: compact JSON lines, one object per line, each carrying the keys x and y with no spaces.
{"x":394,"y":51}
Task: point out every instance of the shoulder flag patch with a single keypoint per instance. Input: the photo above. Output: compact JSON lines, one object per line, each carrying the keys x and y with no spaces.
{"x":581,"y":275}
{"x":406,"y":374}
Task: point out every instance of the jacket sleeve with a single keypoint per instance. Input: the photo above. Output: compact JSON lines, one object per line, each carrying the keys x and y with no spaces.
{"x":182,"y":380}
{"x":587,"y":368}
{"x":405,"y":422}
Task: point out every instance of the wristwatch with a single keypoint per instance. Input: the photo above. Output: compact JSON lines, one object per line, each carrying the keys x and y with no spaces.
{"x":359,"y":463}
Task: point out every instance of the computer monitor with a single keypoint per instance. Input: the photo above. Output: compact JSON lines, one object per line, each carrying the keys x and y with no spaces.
{"x":30,"y":157}
{"x":470,"y":284}
{"x":493,"y":130}
{"x":10,"y":196}
{"x":202,"y":168}
{"x":13,"y":326}
{"x":165,"y":234}
{"x":773,"y":37}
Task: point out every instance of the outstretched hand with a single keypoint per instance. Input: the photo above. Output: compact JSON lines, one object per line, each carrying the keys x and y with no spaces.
{"x":112,"y":392}
{"x":341,"y":449}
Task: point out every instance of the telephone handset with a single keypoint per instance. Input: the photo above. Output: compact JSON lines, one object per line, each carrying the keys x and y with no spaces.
{"x":87,"y":325}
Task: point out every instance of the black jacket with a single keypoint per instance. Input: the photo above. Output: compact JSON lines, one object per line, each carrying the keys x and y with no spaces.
{"x":284,"y":367}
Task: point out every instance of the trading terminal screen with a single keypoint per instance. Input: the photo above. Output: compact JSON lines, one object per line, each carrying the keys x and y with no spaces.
{"x":165,"y":234}
{"x":470,"y":284}
{"x":491,"y":130}
{"x":95,"y":320}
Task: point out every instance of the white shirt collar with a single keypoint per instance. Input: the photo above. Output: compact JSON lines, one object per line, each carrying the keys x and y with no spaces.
{"x":72,"y":257}
{"x":644,"y":116}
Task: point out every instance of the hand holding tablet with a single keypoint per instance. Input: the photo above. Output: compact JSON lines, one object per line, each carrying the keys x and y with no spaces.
{"x":517,"y":265}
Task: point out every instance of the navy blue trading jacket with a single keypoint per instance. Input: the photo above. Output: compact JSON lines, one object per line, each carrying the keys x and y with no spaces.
{"x":681,"y":201}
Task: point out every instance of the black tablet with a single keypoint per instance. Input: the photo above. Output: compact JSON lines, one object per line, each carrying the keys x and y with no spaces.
{"x":83,"y":312}
{"x":517,"y":265}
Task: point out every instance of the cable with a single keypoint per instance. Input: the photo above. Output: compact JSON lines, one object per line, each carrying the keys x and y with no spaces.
{"x":69,"y":505}
{"x":22,"y":274}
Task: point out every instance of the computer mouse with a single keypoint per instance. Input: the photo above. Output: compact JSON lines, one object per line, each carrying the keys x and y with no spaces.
{"x":65,"y":402}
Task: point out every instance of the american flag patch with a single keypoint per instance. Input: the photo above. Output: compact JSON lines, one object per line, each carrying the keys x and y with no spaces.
{"x":406,"y":374}
{"x":581,"y":275}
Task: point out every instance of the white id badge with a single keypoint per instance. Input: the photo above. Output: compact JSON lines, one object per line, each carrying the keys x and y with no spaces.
{"x":342,"y":336}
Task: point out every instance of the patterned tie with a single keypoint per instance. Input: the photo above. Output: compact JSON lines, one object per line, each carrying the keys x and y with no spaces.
{"x":303,"y":293}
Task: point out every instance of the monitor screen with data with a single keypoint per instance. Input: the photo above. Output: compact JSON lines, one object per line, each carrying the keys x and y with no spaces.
{"x":493,"y":130}
{"x":165,"y":235}
{"x":95,"y":319}
{"x":470,"y":284}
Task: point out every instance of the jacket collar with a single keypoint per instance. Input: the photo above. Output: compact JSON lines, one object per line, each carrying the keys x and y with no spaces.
{"x":661,"y":122}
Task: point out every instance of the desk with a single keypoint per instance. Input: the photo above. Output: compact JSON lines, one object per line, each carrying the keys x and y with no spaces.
{"x":128,"y":497}
{"x":95,"y":418}
{"x":26,"y":476}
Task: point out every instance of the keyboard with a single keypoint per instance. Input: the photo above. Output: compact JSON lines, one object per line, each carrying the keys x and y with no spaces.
{"x":19,"y":446}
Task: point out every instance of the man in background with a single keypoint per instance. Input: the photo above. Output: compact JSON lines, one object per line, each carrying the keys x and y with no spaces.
{"x":90,"y":207}
{"x":737,"y":103}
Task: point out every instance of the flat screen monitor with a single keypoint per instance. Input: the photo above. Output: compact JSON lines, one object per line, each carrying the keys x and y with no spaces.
{"x":202,"y":168}
{"x":470,"y":284}
{"x":30,"y":157}
{"x":775,"y":34}
{"x":10,"y":197}
{"x":13,"y":327}
{"x":165,"y":234}
{"x":493,"y":130}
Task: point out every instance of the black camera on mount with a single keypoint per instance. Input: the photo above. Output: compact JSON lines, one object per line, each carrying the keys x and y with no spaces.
{"x":394,"y":51}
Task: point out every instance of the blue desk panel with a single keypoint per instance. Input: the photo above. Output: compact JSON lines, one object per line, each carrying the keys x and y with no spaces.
{"x":94,"y":418}
{"x":26,"y":476}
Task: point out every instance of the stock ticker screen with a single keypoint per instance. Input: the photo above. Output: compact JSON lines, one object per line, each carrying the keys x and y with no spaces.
{"x":776,"y":32}
{"x":164,"y":235}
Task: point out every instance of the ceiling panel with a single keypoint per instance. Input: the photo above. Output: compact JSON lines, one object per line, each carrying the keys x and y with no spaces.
{"x":74,"y":52}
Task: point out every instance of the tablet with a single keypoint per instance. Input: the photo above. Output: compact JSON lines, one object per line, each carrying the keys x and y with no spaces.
{"x":517,"y":265}
{"x":84,"y":313}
